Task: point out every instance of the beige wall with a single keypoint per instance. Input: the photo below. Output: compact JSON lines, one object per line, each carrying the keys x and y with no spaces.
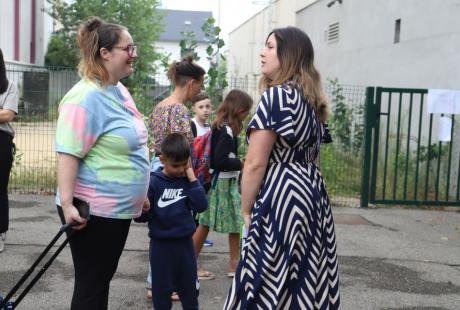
{"x":25,"y":19}
{"x":6,"y":29}
{"x":246,"y":41}
{"x":365,"y":54}
{"x":301,"y":4}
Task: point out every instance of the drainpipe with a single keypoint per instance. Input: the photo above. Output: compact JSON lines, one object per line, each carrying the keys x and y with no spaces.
{"x":33,"y":32}
{"x":16,"y":30}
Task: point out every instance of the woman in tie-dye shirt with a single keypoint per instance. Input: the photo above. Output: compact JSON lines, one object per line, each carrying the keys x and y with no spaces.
{"x":101,"y":142}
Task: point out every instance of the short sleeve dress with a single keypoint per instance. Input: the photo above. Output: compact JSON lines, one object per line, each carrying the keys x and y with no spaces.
{"x":166,"y":119}
{"x":289,"y":259}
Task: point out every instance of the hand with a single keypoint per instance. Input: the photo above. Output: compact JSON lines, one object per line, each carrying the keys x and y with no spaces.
{"x":189,"y":171}
{"x":146,"y":205}
{"x":189,"y":164}
{"x":247,"y":220}
{"x":71,"y":215}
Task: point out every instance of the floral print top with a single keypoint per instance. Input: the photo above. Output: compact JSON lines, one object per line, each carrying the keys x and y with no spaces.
{"x":167,"y":119}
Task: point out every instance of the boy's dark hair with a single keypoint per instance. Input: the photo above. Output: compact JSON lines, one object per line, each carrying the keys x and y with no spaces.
{"x":175,"y":147}
{"x":199,"y":97}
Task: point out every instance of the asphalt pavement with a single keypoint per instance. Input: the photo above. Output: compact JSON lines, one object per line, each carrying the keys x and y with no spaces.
{"x":390,"y":258}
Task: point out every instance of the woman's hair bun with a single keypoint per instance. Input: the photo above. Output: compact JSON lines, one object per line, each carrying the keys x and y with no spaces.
{"x":181,"y":71}
{"x":188,"y":58}
{"x":93,"y":23}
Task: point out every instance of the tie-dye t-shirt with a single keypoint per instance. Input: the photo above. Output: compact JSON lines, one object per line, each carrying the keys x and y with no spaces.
{"x":103,"y":128}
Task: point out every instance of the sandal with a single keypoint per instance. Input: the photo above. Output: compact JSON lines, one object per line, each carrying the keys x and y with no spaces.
{"x":205,"y":274}
{"x":175,"y":296}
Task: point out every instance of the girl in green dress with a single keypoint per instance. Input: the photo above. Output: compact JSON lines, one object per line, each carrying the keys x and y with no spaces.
{"x":223,"y":214}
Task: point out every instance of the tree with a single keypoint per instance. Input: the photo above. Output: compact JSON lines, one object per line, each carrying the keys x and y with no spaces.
{"x":188,"y":45}
{"x":216,"y":77}
{"x":141,"y":17}
{"x":55,"y":56}
{"x":340,"y":122}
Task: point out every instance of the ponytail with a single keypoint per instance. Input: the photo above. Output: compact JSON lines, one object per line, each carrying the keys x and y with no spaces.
{"x":180,"y":72}
{"x":93,"y":35}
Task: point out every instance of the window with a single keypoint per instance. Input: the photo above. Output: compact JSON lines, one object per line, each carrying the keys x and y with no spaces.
{"x":333,"y":33}
{"x":397,"y":30}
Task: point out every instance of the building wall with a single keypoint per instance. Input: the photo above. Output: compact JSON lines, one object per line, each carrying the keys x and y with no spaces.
{"x":365,"y":54}
{"x":426,"y":56}
{"x":246,"y":41}
{"x":25,"y":31}
{"x":174,"y":49}
{"x":7,"y":29}
{"x":7,"y":37}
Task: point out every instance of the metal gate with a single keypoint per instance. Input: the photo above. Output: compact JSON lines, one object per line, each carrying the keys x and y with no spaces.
{"x":405,"y":163}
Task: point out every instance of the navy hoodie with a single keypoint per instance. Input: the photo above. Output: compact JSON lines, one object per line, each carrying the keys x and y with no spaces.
{"x":171,"y":203}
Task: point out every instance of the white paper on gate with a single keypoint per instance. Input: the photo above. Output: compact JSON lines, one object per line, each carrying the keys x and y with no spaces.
{"x":443,"y":101}
{"x":445,"y":129}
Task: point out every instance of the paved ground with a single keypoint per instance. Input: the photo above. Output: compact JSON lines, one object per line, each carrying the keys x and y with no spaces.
{"x":389,"y":259}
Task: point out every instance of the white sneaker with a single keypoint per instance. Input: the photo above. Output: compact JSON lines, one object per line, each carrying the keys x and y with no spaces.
{"x":2,"y":242}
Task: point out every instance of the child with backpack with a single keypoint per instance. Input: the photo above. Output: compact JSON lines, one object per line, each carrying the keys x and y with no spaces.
{"x":202,"y":108}
{"x":174,"y":192}
{"x":223,"y":214}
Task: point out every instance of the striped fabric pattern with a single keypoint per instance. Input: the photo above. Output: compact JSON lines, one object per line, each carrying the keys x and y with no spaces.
{"x":289,"y":259}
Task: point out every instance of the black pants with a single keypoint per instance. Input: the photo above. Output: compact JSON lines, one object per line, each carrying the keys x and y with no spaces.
{"x":173,"y":265}
{"x":6,"y":161}
{"x":96,"y":251}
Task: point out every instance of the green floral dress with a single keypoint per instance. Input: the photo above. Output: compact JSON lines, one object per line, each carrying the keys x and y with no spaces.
{"x":223,"y":213}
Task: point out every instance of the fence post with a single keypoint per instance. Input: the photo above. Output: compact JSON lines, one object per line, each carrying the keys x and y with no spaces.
{"x":369,"y":116}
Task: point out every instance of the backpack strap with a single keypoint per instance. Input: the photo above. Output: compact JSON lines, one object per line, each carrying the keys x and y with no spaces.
{"x":214,"y":177}
{"x":194,"y":129}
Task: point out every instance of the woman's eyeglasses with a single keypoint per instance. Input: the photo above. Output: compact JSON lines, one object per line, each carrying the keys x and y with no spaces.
{"x":130,"y":49}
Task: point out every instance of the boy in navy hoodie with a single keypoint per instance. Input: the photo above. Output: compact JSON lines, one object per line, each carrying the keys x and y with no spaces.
{"x":174,"y":193}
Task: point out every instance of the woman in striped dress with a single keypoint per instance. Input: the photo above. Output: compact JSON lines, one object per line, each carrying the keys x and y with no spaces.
{"x":289,"y":258}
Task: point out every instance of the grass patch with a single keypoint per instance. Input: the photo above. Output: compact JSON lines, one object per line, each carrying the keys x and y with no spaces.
{"x":33,"y":180}
{"x":341,"y":171}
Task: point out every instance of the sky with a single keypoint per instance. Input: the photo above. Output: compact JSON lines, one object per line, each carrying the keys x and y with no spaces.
{"x":232,"y":12}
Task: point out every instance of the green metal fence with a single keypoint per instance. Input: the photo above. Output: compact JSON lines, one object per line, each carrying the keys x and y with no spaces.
{"x":341,"y":161}
{"x":42,"y":88}
{"x":405,"y":162}
{"x":34,"y":168}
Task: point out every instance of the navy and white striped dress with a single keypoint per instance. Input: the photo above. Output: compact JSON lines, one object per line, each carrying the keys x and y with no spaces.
{"x":289,"y":260}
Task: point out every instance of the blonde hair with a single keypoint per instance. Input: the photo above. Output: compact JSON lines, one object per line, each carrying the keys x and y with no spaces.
{"x":93,"y":35}
{"x":296,"y":56}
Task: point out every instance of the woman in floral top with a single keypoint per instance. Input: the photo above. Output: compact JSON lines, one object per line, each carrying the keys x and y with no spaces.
{"x":171,"y":114}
